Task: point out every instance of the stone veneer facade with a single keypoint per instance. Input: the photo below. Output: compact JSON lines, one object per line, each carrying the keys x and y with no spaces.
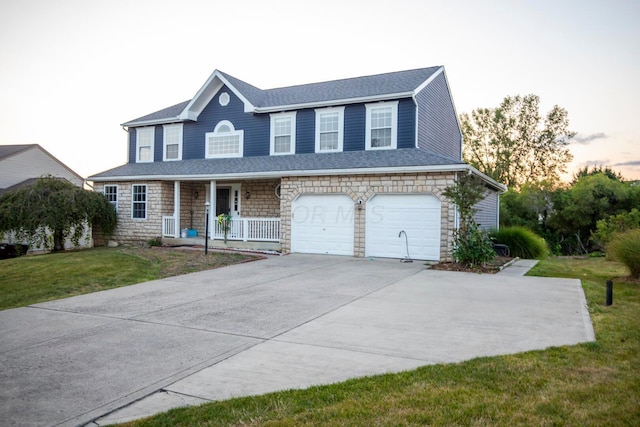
{"x":263,"y":202}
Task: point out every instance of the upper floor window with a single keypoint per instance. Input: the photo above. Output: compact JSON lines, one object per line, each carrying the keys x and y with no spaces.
{"x":139,"y":201}
{"x":172,"y":142}
{"x":111,"y":192}
{"x":283,"y":133}
{"x":224,"y":141}
{"x":382,"y":125}
{"x":329,"y":126}
{"x":144,"y":144}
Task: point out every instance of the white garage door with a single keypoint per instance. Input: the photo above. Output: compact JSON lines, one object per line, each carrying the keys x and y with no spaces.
{"x":322,"y":224}
{"x":418,"y":215}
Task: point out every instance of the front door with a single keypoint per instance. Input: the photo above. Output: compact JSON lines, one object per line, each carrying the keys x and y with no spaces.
{"x":222,"y":201}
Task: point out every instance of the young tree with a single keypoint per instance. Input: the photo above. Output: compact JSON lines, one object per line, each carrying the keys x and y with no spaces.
{"x":472,"y":245}
{"x":513,"y":144}
{"x":54,"y":207}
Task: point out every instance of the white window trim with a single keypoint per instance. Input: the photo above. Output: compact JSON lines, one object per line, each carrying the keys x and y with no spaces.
{"x":146,"y":201}
{"x":332,"y":110}
{"x":292,"y":148}
{"x":151,"y":130}
{"x":164,"y":136}
{"x":394,"y":124}
{"x":104,"y":191}
{"x":234,"y":132}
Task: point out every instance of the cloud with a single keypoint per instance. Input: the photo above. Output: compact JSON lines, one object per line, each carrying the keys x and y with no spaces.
{"x":596,"y":163}
{"x":588,"y":138}
{"x":630,"y":163}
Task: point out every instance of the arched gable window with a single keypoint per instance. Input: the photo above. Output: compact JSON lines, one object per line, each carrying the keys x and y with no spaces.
{"x":224,"y":141}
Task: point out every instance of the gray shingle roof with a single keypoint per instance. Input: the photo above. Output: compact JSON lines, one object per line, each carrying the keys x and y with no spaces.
{"x":281,"y":165}
{"x":164,"y":114}
{"x":8,"y":150}
{"x":399,"y":82}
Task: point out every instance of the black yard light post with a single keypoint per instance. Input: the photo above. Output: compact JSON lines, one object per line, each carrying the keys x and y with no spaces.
{"x":206,"y":228}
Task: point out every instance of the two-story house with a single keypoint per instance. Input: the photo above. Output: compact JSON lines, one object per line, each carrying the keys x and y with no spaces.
{"x":340,"y":167}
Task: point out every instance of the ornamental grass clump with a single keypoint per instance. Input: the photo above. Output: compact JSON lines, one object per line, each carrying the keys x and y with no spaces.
{"x":522,"y":242}
{"x":625,"y":248}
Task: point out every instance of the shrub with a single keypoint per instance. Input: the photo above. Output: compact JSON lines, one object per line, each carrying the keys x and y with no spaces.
{"x":625,"y":247}
{"x":522,"y":242}
{"x":606,"y":228}
{"x":156,"y":241}
{"x":473,"y":247}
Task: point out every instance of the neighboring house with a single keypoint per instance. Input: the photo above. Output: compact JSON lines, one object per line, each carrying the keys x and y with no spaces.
{"x":339,"y":167}
{"x":21,"y":165}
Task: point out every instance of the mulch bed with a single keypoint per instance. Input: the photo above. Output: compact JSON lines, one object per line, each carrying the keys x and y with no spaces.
{"x":490,"y":268}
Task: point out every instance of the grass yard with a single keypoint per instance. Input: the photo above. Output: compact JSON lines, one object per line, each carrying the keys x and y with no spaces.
{"x":592,"y":384}
{"x":32,"y":279}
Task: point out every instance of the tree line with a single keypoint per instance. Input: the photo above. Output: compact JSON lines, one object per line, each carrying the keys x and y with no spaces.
{"x":517,"y":145}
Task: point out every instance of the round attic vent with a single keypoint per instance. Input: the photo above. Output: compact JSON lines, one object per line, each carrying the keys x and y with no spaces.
{"x":224,"y":99}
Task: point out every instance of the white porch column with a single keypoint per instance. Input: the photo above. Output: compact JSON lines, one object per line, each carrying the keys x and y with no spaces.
{"x":212,"y":208}
{"x":176,"y":207}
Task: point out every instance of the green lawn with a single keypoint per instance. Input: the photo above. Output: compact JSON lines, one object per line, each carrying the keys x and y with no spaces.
{"x":595,"y":384}
{"x":31,"y":279}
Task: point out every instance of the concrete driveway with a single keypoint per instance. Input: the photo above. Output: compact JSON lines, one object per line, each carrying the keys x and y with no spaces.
{"x":284,"y":322}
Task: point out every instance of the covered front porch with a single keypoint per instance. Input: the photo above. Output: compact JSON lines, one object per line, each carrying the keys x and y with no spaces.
{"x":253,"y":207}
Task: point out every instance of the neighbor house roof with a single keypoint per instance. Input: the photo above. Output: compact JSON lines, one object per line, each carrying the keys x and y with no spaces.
{"x":9,"y":150}
{"x":358,"y":89}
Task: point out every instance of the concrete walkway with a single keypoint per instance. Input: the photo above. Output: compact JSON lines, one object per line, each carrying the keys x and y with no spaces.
{"x":519,"y":267}
{"x":284,"y":322}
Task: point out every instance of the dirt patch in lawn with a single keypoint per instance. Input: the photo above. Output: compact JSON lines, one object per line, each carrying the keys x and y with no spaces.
{"x":173,"y":261}
{"x":491,"y":267}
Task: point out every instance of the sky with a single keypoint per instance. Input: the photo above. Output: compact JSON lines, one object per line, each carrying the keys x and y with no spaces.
{"x":73,"y":70}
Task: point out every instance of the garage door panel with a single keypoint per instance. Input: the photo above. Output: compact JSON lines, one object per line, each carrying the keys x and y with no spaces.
{"x":322,"y":224}
{"x":418,"y":215}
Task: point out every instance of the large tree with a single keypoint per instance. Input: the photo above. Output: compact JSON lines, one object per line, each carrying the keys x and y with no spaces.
{"x":514,"y":145}
{"x":52,"y":209}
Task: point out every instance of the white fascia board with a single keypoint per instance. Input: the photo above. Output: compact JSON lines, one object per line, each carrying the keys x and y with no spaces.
{"x":429,"y":80}
{"x":248,"y":106}
{"x":280,"y":174}
{"x":164,"y":121}
{"x":334,"y":102}
{"x":207,"y":92}
{"x":486,"y":178}
{"x":455,"y":110}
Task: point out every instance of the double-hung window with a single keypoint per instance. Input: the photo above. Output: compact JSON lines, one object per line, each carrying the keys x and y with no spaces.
{"x":224,"y":141}
{"x":283,"y":133}
{"x":144,"y":144}
{"x":382,"y":126}
{"x":172,"y":142}
{"x":329,"y":129}
{"x":111,"y":193}
{"x":139,"y":201}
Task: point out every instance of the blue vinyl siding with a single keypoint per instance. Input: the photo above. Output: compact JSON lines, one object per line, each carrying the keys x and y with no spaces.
{"x":257,"y":127}
{"x":406,"y":123}
{"x":132,"y":145}
{"x":487,"y":211}
{"x":305,"y":131}
{"x":438,"y":129}
{"x":158,"y":145}
{"x":354,"y":127}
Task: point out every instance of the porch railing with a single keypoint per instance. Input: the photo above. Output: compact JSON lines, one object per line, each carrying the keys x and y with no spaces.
{"x":250,"y":229}
{"x":169,"y":226}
